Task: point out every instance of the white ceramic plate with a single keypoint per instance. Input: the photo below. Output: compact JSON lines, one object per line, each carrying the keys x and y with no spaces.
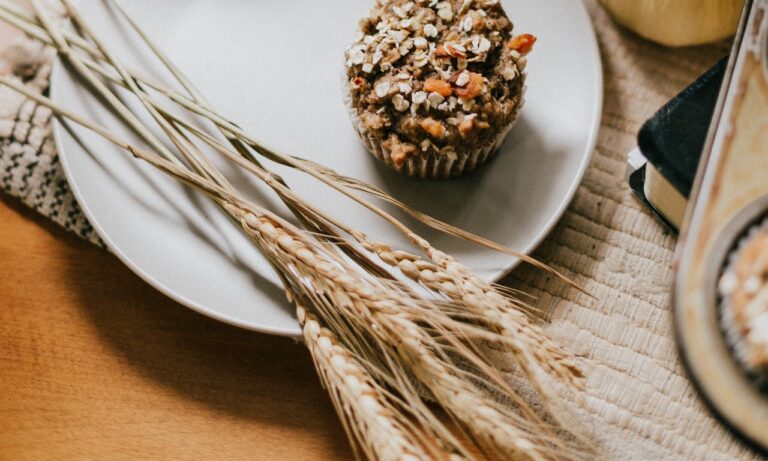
{"x":273,"y":66}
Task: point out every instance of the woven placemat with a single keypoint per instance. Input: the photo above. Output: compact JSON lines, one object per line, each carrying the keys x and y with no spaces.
{"x":639,"y":398}
{"x":29,"y":165}
{"x":640,"y":403}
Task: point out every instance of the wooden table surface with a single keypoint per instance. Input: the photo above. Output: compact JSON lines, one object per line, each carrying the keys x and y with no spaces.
{"x":96,"y":364}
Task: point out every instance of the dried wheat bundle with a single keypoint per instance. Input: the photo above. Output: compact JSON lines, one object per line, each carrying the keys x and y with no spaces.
{"x":387,"y":329}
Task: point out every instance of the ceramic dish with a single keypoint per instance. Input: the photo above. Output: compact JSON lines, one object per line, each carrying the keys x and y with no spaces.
{"x":272,"y":66}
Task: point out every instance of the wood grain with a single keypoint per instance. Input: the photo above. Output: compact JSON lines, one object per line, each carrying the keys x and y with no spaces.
{"x":95,"y":364}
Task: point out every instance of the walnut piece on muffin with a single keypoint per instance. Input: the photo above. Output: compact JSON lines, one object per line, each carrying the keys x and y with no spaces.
{"x":434,"y":86}
{"x":744,"y":288}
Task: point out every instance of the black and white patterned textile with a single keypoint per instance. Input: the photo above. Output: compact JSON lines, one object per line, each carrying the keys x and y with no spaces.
{"x":29,"y":164}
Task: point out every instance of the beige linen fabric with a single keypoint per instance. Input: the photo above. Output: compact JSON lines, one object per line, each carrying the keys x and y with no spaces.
{"x":639,"y":402}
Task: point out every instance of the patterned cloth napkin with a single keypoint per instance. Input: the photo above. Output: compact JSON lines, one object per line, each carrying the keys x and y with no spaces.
{"x":639,"y":402}
{"x":29,"y":165}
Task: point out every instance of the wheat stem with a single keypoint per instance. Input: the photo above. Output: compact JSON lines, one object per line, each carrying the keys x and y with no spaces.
{"x":130,"y":118}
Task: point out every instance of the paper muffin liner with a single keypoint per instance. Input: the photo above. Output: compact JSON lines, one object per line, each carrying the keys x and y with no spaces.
{"x":734,"y":338}
{"x":430,"y":166}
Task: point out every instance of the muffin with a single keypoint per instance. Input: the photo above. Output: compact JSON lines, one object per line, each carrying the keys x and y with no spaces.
{"x":744,"y":301}
{"x":434,"y":87}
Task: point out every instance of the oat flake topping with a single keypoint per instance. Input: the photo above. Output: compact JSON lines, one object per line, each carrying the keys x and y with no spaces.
{"x":432,"y":77}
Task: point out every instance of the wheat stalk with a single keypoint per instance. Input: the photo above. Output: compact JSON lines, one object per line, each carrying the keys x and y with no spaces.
{"x":287,"y":245}
{"x":398,"y":320}
{"x":355,"y":393}
{"x":358,"y":305}
{"x":381,"y":327}
{"x":379,"y":435}
{"x":540,"y":358}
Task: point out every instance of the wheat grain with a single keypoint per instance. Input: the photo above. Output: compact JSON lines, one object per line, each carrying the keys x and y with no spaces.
{"x":358,"y":398}
{"x":390,"y":316}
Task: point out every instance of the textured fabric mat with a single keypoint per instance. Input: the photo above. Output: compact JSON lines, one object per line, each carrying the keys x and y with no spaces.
{"x":639,"y":401}
{"x":29,"y":164}
{"x":642,"y":403}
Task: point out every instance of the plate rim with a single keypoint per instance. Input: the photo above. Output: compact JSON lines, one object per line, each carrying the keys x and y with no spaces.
{"x":57,"y":127}
{"x":591,"y":144}
{"x":597,"y":116}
